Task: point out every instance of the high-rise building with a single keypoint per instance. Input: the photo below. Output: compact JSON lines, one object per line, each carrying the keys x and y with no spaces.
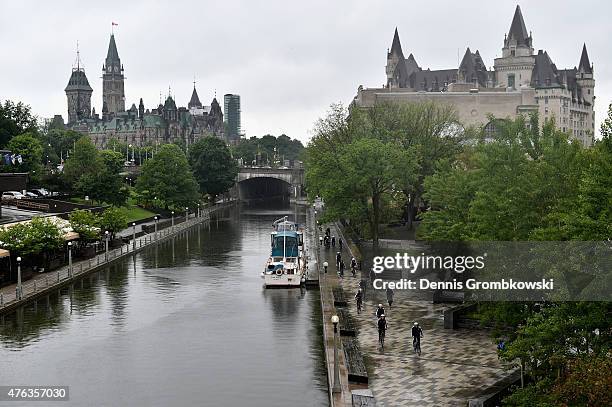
{"x":231,"y":111}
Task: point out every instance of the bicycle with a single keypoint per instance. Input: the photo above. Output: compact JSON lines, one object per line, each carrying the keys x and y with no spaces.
{"x":381,"y":338}
{"x":416,"y":345}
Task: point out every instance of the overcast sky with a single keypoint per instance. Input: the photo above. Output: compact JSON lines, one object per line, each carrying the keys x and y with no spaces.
{"x":288,"y":60}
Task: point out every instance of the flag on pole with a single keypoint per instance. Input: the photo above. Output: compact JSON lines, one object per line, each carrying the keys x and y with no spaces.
{"x":114,"y":23}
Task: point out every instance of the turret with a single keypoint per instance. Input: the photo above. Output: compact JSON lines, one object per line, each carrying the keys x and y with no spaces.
{"x":78,"y":94}
{"x":394,"y":57}
{"x":141,"y":110}
{"x":586,"y":80}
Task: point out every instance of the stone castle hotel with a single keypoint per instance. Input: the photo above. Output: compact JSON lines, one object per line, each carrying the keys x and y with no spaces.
{"x":137,"y":126}
{"x":520,"y":82}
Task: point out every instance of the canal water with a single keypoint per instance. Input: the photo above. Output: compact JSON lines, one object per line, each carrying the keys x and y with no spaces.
{"x":185,"y":324}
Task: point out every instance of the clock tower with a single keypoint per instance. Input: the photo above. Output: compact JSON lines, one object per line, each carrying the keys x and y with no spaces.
{"x":113,"y":94}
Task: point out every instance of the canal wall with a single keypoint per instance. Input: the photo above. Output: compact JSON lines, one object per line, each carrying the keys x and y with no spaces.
{"x":44,"y":283}
{"x":327,"y":281}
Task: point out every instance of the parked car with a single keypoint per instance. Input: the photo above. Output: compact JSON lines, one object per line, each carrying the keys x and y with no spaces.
{"x":31,"y":194}
{"x":10,"y":195}
{"x":40,"y":192}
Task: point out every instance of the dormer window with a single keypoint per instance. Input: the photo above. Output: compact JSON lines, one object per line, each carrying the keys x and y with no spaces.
{"x":513,"y":52}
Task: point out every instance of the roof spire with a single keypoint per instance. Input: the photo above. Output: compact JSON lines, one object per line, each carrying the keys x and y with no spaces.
{"x":518,"y":31}
{"x":396,"y":46}
{"x":585,"y":64}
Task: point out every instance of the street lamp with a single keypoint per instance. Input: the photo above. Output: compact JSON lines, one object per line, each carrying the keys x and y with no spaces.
{"x":186,"y":214}
{"x":69,"y":259}
{"x":155,"y":218}
{"x":18,"y":292}
{"x":172,"y":218}
{"x":106,"y":253}
{"x":336,"y":387}
{"x":198,"y":210}
{"x":134,"y":236}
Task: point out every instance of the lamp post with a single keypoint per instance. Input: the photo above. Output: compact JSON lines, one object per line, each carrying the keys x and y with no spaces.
{"x":186,"y":214}
{"x":336,"y":387}
{"x":172,"y":219}
{"x":155,"y":227}
{"x":198,"y":210}
{"x":134,"y":236}
{"x":69,"y":259}
{"x":18,"y":293}
{"x":106,"y":252}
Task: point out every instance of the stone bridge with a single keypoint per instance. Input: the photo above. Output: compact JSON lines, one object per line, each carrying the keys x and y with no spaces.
{"x":255,"y":183}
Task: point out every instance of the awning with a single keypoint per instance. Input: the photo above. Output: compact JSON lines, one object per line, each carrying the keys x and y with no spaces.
{"x":71,"y":236}
{"x":4,"y":253}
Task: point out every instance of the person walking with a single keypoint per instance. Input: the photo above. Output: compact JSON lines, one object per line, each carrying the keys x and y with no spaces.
{"x":340,"y":243}
{"x":417,"y":334}
{"x":390,"y":296}
{"x":338,"y":259}
{"x":333,"y":241}
{"x":325,"y":264}
{"x":341,"y":268}
{"x":321,"y":240}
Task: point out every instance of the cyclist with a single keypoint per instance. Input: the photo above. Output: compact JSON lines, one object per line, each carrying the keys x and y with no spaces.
{"x":382,"y":328}
{"x":380,"y":311}
{"x":359,"y":299}
{"x":354,"y":266}
{"x":417,"y":334}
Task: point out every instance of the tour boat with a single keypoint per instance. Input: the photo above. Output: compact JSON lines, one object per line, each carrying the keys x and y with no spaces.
{"x":286,"y":266}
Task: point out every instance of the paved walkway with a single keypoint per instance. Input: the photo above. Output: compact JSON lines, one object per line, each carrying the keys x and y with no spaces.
{"x":455,"y":365}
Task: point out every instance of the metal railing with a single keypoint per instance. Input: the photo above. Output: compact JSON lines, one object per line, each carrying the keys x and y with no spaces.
{"x":60,"y":276}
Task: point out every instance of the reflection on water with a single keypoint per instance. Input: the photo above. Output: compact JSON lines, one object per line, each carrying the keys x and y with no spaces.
{"x":185,"y":323}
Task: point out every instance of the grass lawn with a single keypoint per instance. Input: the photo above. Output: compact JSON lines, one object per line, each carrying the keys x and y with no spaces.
{"x":135,"y":213}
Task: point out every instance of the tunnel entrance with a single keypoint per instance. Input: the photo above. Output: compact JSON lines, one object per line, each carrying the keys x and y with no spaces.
{"x":263,"y":189}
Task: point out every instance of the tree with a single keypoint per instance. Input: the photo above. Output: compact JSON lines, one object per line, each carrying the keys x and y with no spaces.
{"x":85,"y":223}
{"x":355,"y":169}
{"x":167,"y":180}
{"x":83,"y":161}
{"x":31,"y":151}
{"x":15,"y":119}
{"x":213,"y":166}
{"x":38,"y":236}
{"x":113,"y":220}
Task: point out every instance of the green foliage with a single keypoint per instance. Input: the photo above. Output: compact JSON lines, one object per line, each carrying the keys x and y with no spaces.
{"x":166,"y":179}
{"x":357,"y":167}
{"x":83,"y":161}
{"x":96,"y":173}
{"x":213,"y":166}
{"x":57,"y":142}
{"x":38,"y":236}
{"x":517,"y":186}
{"x":85,"y":223}
{"x":15,"y":119}
{"x":31,"y":151}
{"x":113,"y":220}
{"x":264,"y":147}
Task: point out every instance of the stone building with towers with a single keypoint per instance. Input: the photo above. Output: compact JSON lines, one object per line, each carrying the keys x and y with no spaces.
{"x":519,"y":82}
{"x":164,"y":123}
